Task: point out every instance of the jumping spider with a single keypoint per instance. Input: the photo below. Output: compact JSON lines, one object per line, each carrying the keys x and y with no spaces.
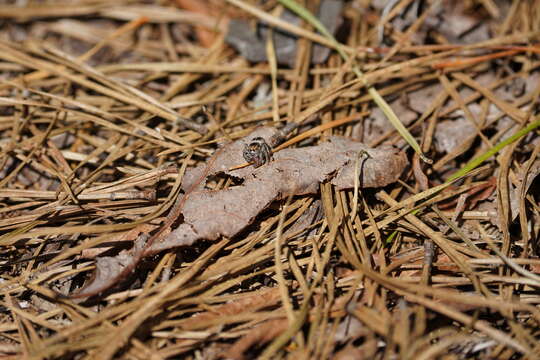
{"x":257,"y":152}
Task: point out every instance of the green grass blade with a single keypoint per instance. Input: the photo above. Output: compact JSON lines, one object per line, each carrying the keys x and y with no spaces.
{"x":474,"y":163}
{"x":379,"y":100}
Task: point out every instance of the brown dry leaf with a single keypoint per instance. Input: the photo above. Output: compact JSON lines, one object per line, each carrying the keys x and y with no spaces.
{"x":97,"y":99}
{"x":473,"y":196}
{"x":313,"y":214}
{"x":377,"y":124}
{"x":461,"y":25}
{"x":209,"y":214}
{"x":451,"y":135}
{"x":250,"y":42}
{"x":421,"y":178}
{"x":111,"y":270}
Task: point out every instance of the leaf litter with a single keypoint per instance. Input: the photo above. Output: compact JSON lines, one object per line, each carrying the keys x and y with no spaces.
{"x":121,"y":159}
{"x":210,"y":214}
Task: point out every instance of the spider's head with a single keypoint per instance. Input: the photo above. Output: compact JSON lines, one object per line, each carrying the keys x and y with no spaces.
{"x":257,"y":152}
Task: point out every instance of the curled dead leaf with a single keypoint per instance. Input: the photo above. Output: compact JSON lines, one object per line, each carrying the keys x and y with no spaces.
{"x":209,"y":214}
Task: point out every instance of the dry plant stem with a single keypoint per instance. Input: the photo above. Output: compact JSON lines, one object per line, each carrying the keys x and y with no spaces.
{"x":410,"y":31}
{"x":474,"y":60}
{"x":525,"y":273}
{"x":9,"y":53}
{"x":442,"y":243}
{"x":279,"y":23}
{"x":456,"y":229}
{"x":387,"y":14}
{"x":384,"y":165}
{"x":282,"y":284}
{"x":446,"y":310}
{"x":470,"y":321}
{"x":377,"y":98}
{"x":40,"y":74}
{"x":86,"y":189}
{"x":429,"y":254}
{"x":41,"y":140}
{"x":512,"y":111}
{"x":271,"y":54}
{"x":172,"y":216}
{"x":122,"y":335}
{"x":522,"y":211}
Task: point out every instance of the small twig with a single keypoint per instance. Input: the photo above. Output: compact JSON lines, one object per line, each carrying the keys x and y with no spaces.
{"x":357,"y":174}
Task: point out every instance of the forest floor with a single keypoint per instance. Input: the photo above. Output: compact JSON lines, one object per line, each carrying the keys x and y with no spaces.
{"x":174,"y":185}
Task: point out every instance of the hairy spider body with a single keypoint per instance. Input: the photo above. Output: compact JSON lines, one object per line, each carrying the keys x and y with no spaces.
{"x":257,"y":152}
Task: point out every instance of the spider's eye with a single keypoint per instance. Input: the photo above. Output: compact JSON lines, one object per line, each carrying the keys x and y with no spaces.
{"x":257,"y":152}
